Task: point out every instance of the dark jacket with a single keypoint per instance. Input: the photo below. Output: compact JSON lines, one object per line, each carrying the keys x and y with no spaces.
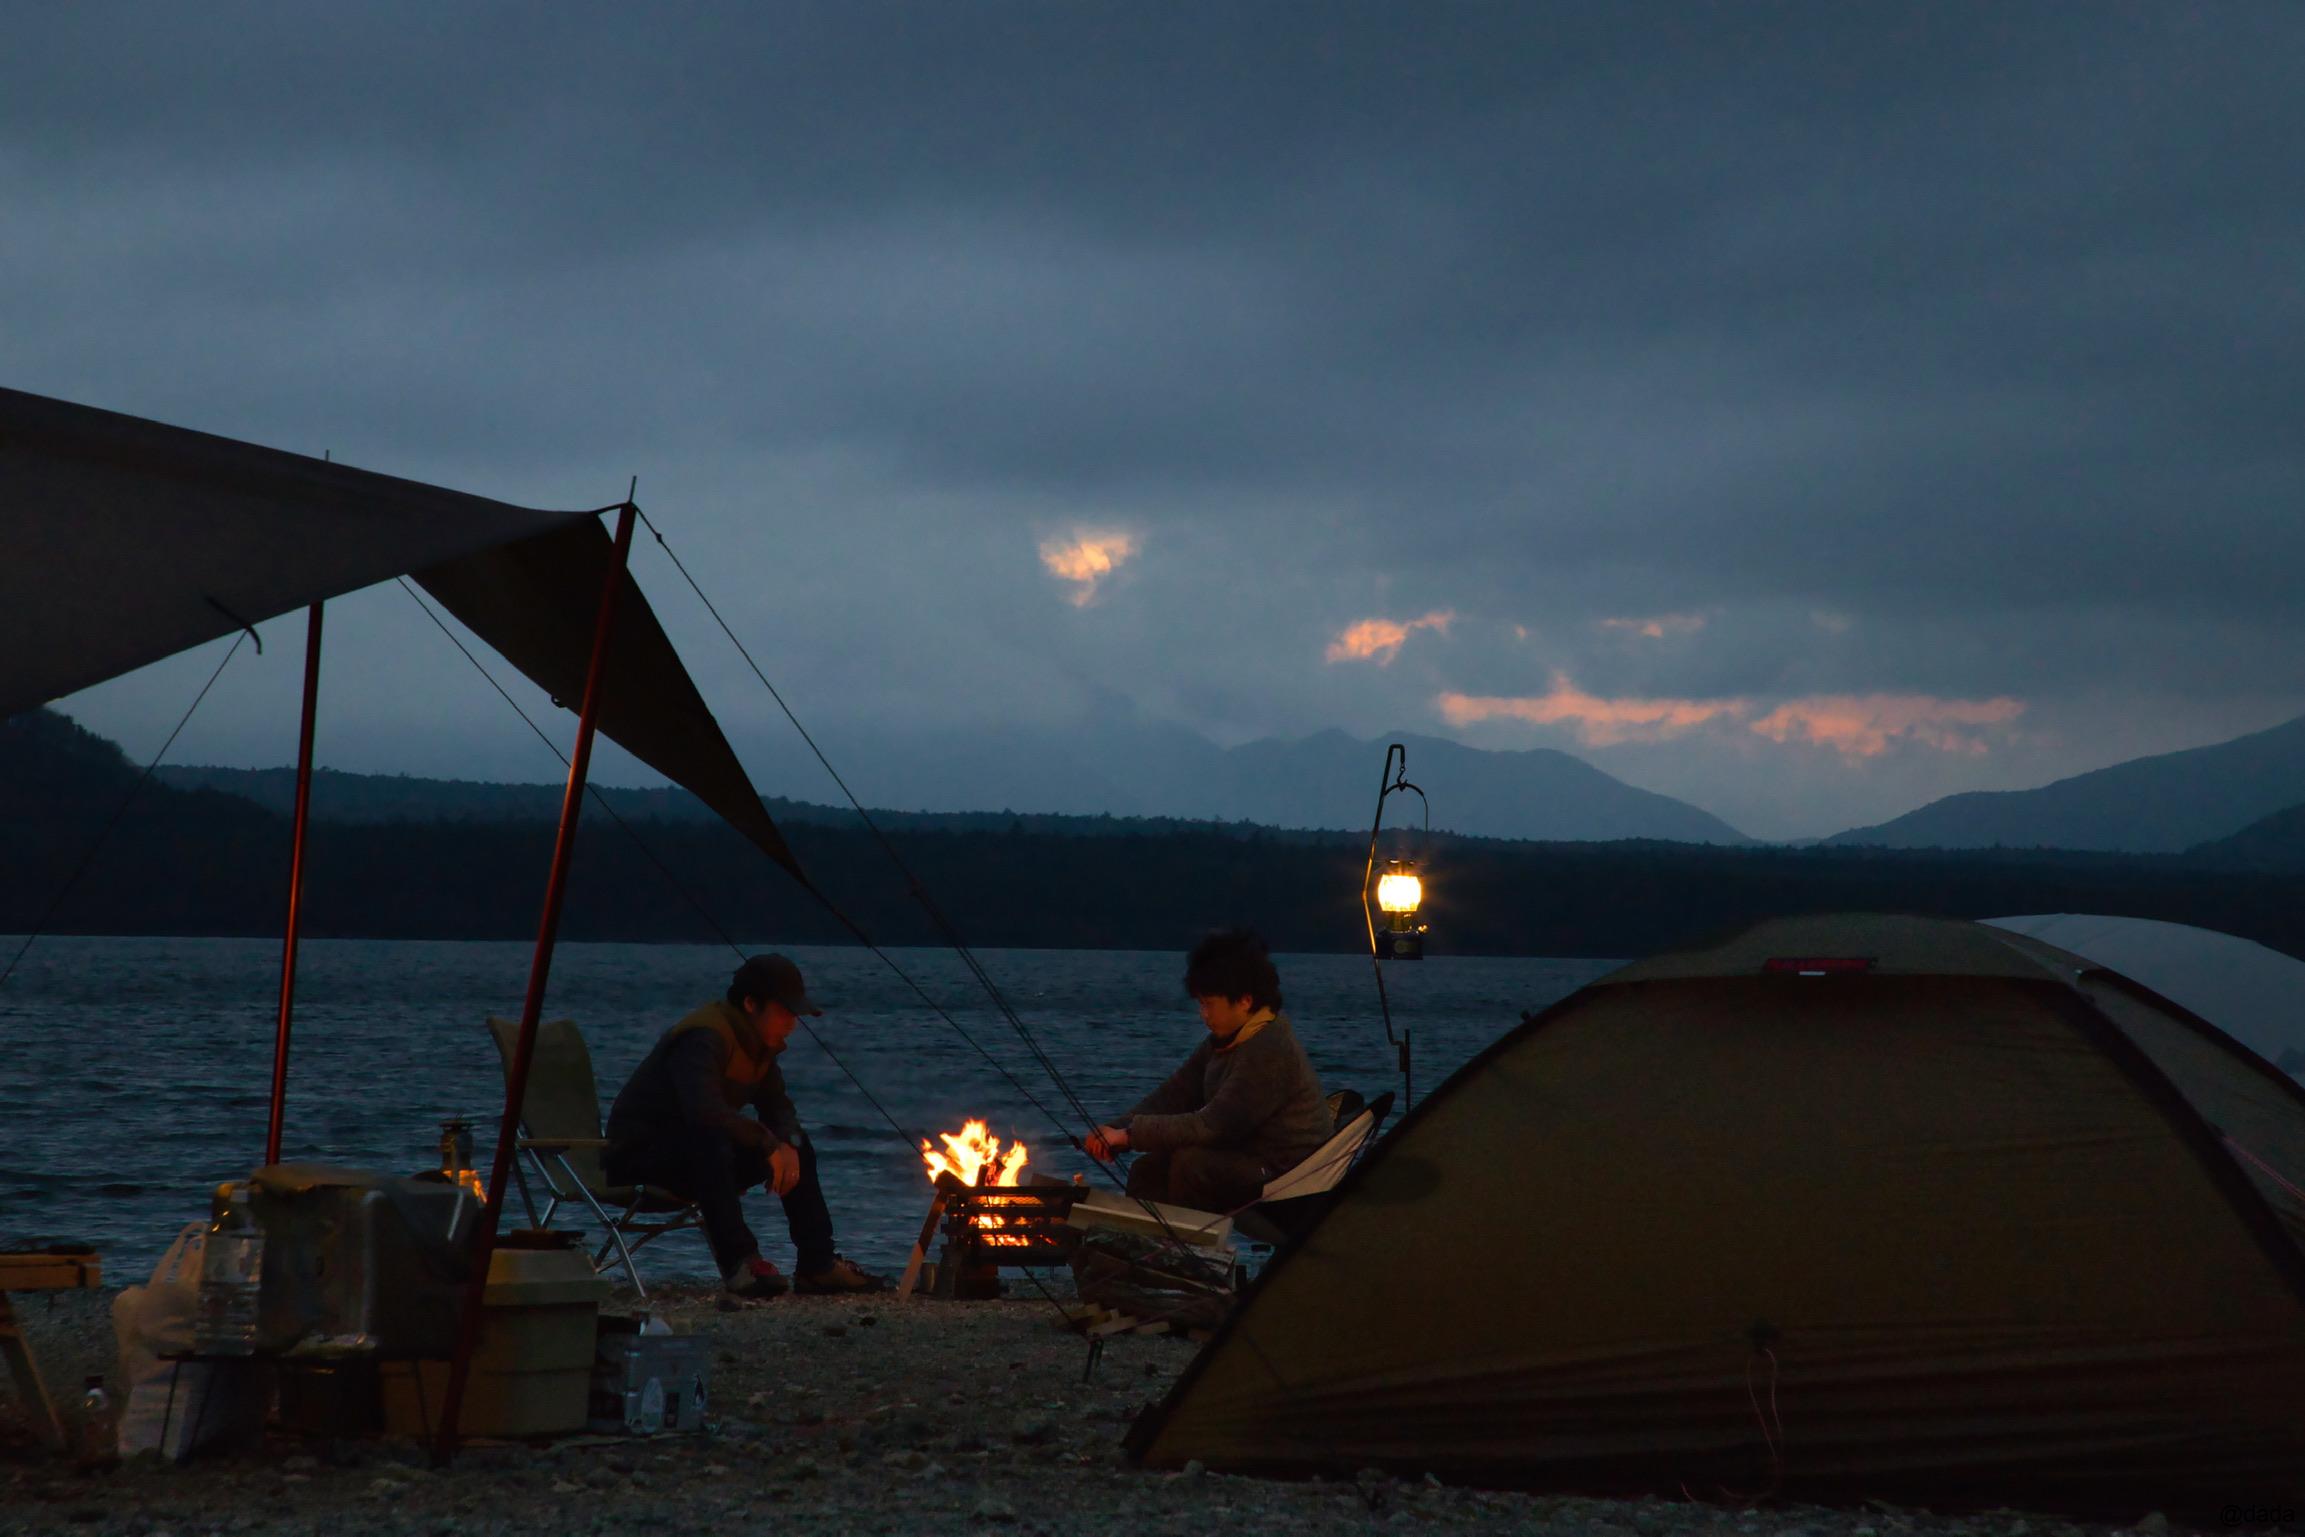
{"x":1258,"y":1096}
{"x":702,"y":1072}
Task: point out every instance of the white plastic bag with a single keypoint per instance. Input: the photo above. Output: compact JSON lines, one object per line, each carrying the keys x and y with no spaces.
{"x":212,"y":1404}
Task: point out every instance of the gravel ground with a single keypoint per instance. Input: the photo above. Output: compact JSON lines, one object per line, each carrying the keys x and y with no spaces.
{"x":848,"y":1417}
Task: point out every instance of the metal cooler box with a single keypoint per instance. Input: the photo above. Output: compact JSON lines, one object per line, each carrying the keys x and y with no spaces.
{"x":357,"y":1256}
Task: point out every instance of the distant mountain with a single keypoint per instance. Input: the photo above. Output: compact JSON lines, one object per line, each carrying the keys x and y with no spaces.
{"x":376,"y":799}
{"x":54,"y":770}
{"x":341,"y":797}
{"x":2274,"y":843}
{"x":1133,"y":779}
{"x":1330,"y":780}
{"x":2156,"y":805}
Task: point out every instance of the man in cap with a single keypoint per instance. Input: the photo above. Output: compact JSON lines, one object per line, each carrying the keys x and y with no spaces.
{"x":677,"y":1124}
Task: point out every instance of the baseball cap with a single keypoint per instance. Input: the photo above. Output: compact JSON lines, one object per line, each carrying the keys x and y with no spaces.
{"x":772,"y":976}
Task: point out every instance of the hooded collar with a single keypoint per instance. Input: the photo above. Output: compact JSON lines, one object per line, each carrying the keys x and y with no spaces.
{"x":1256,"y":1022}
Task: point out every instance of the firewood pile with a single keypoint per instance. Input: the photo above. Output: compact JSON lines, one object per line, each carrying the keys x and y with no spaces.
{"x":1155,"y":1285}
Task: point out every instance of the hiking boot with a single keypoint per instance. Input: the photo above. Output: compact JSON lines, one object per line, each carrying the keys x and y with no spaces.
{"x":755,"y":1277}
{"x":842,"y":1275}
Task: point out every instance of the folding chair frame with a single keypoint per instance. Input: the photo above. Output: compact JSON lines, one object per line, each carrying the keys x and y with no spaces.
{"x":545,"y":1155}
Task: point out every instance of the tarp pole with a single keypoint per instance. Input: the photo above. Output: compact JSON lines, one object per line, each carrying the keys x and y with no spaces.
{"x":295,"y":886}
{"x":540,"y":968}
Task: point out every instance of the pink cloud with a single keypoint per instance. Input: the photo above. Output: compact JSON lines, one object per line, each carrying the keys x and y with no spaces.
{"x":1598,"y":722}
{"x":1085,"y":557}
{"x":1853,"y":725}
{"x":1380,"y":640}
{"x":1866,"y":725}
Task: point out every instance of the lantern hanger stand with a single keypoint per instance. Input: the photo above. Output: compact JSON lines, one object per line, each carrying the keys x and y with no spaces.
{"x":1391,"y":780}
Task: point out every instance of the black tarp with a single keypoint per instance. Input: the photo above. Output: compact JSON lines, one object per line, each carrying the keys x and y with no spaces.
{"x":534,"y":601}
{"x":123,"y":541}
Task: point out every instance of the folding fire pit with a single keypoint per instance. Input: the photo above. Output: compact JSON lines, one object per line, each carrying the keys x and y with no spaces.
{"x":991,"y":1228}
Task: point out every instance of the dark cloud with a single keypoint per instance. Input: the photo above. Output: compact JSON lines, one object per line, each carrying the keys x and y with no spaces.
{"x":1973,"y":329}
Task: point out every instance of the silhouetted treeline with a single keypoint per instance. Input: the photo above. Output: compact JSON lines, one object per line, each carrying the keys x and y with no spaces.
{"x":225,"y":873}
{"x":184,"y":862}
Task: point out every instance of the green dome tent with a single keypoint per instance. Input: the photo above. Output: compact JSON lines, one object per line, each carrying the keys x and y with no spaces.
{"x":1857,"y":1207}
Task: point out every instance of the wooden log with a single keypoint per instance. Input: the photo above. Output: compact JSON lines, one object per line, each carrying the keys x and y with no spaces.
{"x":919,"y":1254}
{"x":49,"y":1272}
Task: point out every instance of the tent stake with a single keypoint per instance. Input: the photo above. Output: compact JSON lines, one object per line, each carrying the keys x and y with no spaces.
{"x":540,"y":968}
{"x":295,"y":886}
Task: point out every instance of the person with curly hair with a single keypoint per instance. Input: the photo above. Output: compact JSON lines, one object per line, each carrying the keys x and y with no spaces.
{"x":1245,"y":1106}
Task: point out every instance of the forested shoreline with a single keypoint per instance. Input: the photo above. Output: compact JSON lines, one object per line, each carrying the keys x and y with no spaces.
{"x":198,"y":862}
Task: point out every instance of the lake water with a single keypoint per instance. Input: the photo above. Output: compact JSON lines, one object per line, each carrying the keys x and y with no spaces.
{"x":134,"y":1073}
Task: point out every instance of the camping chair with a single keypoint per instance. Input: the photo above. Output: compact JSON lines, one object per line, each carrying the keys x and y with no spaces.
{"x":1290,"y":1201}
{"x":561,"y":1142}
{"x":1287,"y":1206}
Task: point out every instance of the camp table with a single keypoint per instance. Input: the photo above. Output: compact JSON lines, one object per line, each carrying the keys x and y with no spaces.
{"x":39,"y":1270}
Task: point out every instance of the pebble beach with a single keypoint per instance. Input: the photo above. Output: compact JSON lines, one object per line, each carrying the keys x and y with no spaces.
{"x":848,"y":1417}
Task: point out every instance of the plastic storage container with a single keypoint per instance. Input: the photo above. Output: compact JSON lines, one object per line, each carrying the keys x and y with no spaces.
{"x":532,"y":1371}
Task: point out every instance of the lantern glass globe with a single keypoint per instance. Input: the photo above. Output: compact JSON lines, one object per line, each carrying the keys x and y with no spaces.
{"x":1400,"y":892}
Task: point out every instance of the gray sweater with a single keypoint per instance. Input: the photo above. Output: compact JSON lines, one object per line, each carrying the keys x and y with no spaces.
{"x":1259,"y":1097}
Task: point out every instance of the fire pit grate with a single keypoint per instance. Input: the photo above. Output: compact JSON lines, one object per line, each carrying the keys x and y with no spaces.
{"x":988,"y":1229}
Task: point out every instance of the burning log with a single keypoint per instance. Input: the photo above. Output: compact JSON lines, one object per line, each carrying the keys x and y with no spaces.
{"x":970,"y":1154}
{"x":991,"y":1216}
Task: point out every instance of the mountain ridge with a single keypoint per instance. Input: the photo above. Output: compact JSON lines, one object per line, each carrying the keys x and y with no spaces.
{"x":1302,"y":785}
{"x":2275,"y":843}
{"x":2163,"y":803}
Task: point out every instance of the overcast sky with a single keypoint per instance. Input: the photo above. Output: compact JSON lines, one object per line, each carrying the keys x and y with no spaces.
{"x":1805,"y":411}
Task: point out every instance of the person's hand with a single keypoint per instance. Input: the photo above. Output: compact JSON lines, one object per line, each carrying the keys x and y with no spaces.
{"x":1104,"y":1142}
{"x":783,"y":1168}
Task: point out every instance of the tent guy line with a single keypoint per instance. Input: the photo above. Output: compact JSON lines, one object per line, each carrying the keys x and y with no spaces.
{"x":672,"y":880}
{"x":913,"y":883}
{"x":908,"y":1136}
{"x":104,"y":833}
{"x":856,"y":930}
{"x":920,"y":894}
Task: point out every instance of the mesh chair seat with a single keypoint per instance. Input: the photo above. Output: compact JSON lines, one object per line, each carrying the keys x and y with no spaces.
{"x":560,"y":1123}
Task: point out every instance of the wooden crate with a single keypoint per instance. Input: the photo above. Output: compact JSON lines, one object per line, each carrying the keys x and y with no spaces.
{"x":49,"y":1270}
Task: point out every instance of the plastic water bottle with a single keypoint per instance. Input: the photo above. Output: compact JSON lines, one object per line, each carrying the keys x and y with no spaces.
{"x":96,"y":1443}
{"x":231,"y":1277}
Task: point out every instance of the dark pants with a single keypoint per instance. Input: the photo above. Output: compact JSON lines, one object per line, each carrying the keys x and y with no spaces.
{"x":1204,"y":1178}
{"x":709,"y":1168}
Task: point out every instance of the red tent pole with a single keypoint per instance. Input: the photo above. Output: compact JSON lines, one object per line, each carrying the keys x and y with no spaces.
{"x":516,"y":1070}
{"x":295,"y":886}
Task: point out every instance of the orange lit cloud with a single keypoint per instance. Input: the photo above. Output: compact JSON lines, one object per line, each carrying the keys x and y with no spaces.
{"x":1085,"y":558}
{"x":1380,"y":640}
{"x":1865,"y":725}
{"x":1853,"y":725}
{"x":1660,"y":626}
{"x":1598,"y":722}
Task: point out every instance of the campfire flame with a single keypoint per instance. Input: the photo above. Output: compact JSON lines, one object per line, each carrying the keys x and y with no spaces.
{"x":973,"y":1156}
